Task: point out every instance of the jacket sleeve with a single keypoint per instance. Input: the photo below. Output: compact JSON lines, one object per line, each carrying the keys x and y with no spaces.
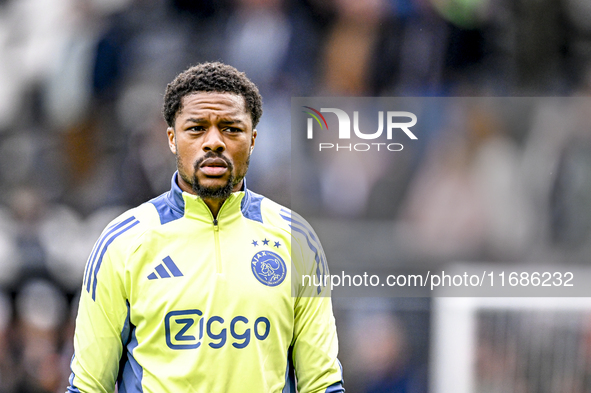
{"x":102,"y":323}
{"x":315,"y":343}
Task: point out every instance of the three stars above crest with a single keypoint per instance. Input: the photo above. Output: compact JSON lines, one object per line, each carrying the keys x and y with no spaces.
{"x":266,"y":242}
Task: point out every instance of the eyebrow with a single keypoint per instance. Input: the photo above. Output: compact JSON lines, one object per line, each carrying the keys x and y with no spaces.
{"x":201,"y":120}
{"x":194,"y":120}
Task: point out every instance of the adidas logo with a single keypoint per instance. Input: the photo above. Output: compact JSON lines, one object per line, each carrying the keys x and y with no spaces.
{"x":162,"y":272}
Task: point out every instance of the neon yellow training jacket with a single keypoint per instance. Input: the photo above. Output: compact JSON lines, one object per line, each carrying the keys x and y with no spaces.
{"x":175,"y":301}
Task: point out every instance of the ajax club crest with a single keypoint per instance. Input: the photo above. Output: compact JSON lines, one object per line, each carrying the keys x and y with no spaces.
{"x":268,"y":268}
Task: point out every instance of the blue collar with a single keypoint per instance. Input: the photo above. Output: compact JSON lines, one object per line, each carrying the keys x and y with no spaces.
{"x":175,"y":195}
{"x":171,"y":205}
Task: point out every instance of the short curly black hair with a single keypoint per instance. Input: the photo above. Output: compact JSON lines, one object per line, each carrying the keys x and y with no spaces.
{"x":211,"y":77}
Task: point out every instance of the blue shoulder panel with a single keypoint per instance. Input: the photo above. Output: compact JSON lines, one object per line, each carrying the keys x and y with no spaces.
{"x":170,"y":205}
{"x":251,"y":206}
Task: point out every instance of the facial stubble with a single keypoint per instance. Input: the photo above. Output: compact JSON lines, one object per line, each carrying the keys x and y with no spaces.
{"x":212,"y":192}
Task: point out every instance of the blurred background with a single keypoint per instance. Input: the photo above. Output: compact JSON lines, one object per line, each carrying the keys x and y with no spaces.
{"x":82,"y":139}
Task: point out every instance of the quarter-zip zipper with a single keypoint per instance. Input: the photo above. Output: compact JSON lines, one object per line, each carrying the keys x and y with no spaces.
{"x":218,"y":255}
{"x":216,"y":236}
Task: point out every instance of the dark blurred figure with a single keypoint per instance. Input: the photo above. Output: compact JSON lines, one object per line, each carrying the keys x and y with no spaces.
{"x":40,"y":308}
{"x":387,"y":348}
{"x":28,"y":209}
{"x":7,"y":366}
{"x":349,"y":47}
{"x":409,"y":57}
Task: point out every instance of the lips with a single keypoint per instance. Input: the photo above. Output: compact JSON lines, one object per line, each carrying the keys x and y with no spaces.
{"x":214,"y":167}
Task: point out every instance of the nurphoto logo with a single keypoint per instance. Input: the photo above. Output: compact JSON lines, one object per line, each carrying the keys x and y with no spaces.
{"x":393,"y":126}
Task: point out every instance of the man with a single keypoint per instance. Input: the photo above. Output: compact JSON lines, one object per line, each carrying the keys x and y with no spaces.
{"x":193,"y":291}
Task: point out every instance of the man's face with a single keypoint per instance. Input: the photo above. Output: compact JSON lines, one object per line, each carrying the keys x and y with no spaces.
{"x":212,"y":140}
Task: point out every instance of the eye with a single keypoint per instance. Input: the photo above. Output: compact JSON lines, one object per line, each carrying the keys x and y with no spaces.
{"x":196,"y":128}
{"x":233,"y":129}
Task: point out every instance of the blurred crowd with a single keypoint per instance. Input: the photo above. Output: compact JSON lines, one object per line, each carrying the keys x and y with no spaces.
{"x":82,"y":138}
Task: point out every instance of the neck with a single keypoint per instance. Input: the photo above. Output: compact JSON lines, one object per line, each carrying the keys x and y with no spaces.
{"x":214,"y":204}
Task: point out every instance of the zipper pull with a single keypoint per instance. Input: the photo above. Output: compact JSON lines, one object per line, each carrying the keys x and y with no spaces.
{"x":215,"y":222}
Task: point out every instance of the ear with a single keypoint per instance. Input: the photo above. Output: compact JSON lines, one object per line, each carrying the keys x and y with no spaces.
{"x":171,"y":139}
{"x":252,"y":139}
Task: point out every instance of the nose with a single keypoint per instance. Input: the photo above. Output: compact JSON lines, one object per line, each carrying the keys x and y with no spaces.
{"x":214,"y":140}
